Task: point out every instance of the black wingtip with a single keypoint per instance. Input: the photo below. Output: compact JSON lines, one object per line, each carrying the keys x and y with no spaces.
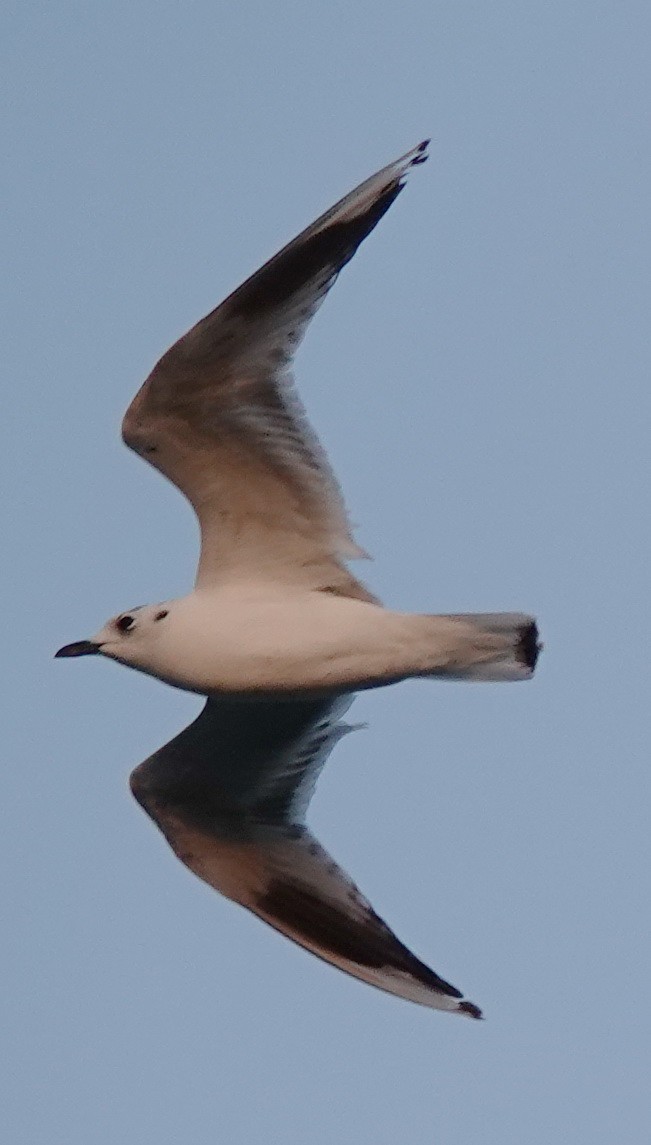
{"x":421,"y":155}
{"x":470,"y":1009}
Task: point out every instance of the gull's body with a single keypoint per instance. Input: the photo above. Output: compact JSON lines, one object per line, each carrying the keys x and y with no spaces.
{"x":278,"y":632}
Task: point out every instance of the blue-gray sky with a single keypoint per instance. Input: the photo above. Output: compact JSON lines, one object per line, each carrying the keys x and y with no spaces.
{"x":480,"y":377}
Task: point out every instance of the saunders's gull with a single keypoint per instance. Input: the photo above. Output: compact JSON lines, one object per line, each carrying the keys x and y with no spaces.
{"x":278,"y":633}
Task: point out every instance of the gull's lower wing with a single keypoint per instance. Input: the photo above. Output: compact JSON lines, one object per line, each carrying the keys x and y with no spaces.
{"x":288,"y":880}
{"x":306,"y":896}
{"x":220,"y":417}
{"x":229,"y":794}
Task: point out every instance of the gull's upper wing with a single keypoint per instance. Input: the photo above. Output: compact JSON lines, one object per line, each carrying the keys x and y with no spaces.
{"x":230,"y":793}
{"x":220,"y":417}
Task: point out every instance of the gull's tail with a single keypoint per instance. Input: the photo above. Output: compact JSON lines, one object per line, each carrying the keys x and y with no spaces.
{"x":483,"y":646}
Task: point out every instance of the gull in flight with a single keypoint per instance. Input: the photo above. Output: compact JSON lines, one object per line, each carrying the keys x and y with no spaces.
{"x":278,"y":634}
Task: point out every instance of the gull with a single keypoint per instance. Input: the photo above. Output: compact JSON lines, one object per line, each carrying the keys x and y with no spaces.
{"x":278,"y":633}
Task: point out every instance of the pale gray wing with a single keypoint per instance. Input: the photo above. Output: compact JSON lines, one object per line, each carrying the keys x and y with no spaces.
{"x":229,"y":794}
{"x":220,"y":417}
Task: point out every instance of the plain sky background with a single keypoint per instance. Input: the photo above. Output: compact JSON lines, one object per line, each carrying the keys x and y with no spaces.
{"x":480,"y":378}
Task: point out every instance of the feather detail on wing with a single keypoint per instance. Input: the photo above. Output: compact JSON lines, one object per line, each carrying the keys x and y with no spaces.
{"x":220,"y":416}
{"x":310,"y":899}
{"x":230,"y":794}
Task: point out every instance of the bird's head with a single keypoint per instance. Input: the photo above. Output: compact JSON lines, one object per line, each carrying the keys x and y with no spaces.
{"x":129,"y":637}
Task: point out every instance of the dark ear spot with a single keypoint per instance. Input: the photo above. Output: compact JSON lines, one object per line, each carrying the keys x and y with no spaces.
{"x":162,"y":614}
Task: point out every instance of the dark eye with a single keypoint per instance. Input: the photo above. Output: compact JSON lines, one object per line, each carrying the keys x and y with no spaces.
{"x":125,"y":623}
{"x":162,"y":614}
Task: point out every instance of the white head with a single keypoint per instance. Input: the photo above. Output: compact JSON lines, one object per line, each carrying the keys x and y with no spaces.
{"x":131,"y":637}
{"x":177,"y":641}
